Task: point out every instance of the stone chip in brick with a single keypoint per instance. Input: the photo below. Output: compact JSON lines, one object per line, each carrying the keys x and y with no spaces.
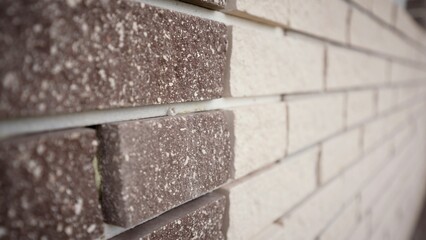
{"x":48,"y":188}
{"x":153,"y":165}
{"x":71,"y":56}
{"x":202,"y":218}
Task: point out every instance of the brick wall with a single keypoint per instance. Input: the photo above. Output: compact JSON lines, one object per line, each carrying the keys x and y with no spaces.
{"x":211,"y":119}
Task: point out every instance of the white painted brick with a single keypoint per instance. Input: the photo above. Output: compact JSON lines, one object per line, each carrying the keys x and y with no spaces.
{"x":362,"y":231}
{"x":339,"y":152}
{"x":344,"y":224}
{"x":401,"y":73}
{"x":272,"y":232}
{"x":265,"y":63}
{"x":324,"y":18}
{"x":260,"y":134}
{"x":276,"y":11}
{"x":358,"y":175}
{"x":360,"y":106}
{"x":256,"y":202}
{"x":314,"y":118}
{"x":384,"y":9}
{"x":308,"y":219}
{"x":374,"y":132}
{"x":367,"y":33}
{"x":386,"y":99}
{"x":348,"y":68}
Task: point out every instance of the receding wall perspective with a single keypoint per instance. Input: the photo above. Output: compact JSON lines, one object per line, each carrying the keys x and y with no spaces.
{"x":211,"y":119}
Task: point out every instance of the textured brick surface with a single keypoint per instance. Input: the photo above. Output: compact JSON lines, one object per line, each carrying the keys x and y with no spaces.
{"x":258,"y":60}
{"x":366,"y":4}
{"x":150,"y":166}
{"x":314,"y":118}
{"x":68,"y":56}
{"x":256,"y":203}
{"x":202,"y":218}
{"x":48,"y":189}
{"x":344,"y":224}
{"x":338,"y":152}
{"x":347,"y":69}
{"x":323,"y":18}
{"x":213,"y":4}
{"x":365,"y":32}
{"x":360,"y":106}
{"x":260,"y":136}
{"x":386,"y":99}
{"x":402,"y":72}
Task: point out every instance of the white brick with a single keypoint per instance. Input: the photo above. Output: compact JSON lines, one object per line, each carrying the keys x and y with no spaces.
{"x":360,"y":106}
{"x":270,"y":63}
{"x":324,"y":18}
{"x":384,"y":9}
{"x":401,"y":73}
{"x":344,"y":224}
{"x":339,"y":152}
{"x":348,"y":68}
{"x":367,"y":33}
{"x":276,"y":11}
{"x":260,"y":134}
{"x":386,"y":99}
{"x":374,"y":132}
{"x":272,"y":232}
{"x":261,"y":199}
{"x":308,"y":219}
{"x":362,"y":231}
{"x":314,"y":118}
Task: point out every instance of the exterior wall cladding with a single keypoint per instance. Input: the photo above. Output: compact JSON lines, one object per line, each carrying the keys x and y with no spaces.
{"x":211,"y":119}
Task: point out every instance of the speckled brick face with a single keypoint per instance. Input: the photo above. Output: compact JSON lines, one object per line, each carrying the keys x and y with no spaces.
{"x":202,"y":218}
{"x":213,"y":4}
{"x":77,"y":55}
{"x":152,"y":165}
{"x":48,"y":189}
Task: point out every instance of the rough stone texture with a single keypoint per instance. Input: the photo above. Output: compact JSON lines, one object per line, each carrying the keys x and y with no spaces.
{"x":213,"y":4}
{"x":150,"y":166}
{"x":202,"y":218}
{"x":263,"y":125}
{"x":47,"y":186}
{"x":67,"y":56}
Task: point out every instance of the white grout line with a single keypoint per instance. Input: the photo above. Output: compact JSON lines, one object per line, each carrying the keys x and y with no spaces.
{"x":45,"y":123}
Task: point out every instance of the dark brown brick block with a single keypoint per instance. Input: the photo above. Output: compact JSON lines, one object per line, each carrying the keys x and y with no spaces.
{"x":202,"y":218}
{"x":67,"y":56}
{"x":213,"y":4}
{"x":47,"y":186}
{"x":153,"y":165}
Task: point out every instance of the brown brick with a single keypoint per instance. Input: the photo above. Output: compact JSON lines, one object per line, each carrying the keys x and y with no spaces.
{"x":213,"y":4}
{"x":47,"y":186}
{"x":150,"y":166}
{"x":67,"y":56}
{"x":202,"y":218}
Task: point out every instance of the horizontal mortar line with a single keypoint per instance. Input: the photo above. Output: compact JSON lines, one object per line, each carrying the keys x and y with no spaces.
{"x":96,"y":117}
{"x":288,"y":157}
{"x":345,"y":45}
{"x":382,"y":22}
{"x":29,"y":125}
{"x":232,"y":19}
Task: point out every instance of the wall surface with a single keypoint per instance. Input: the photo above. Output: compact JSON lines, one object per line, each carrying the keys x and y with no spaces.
{"x":211,"y":119}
